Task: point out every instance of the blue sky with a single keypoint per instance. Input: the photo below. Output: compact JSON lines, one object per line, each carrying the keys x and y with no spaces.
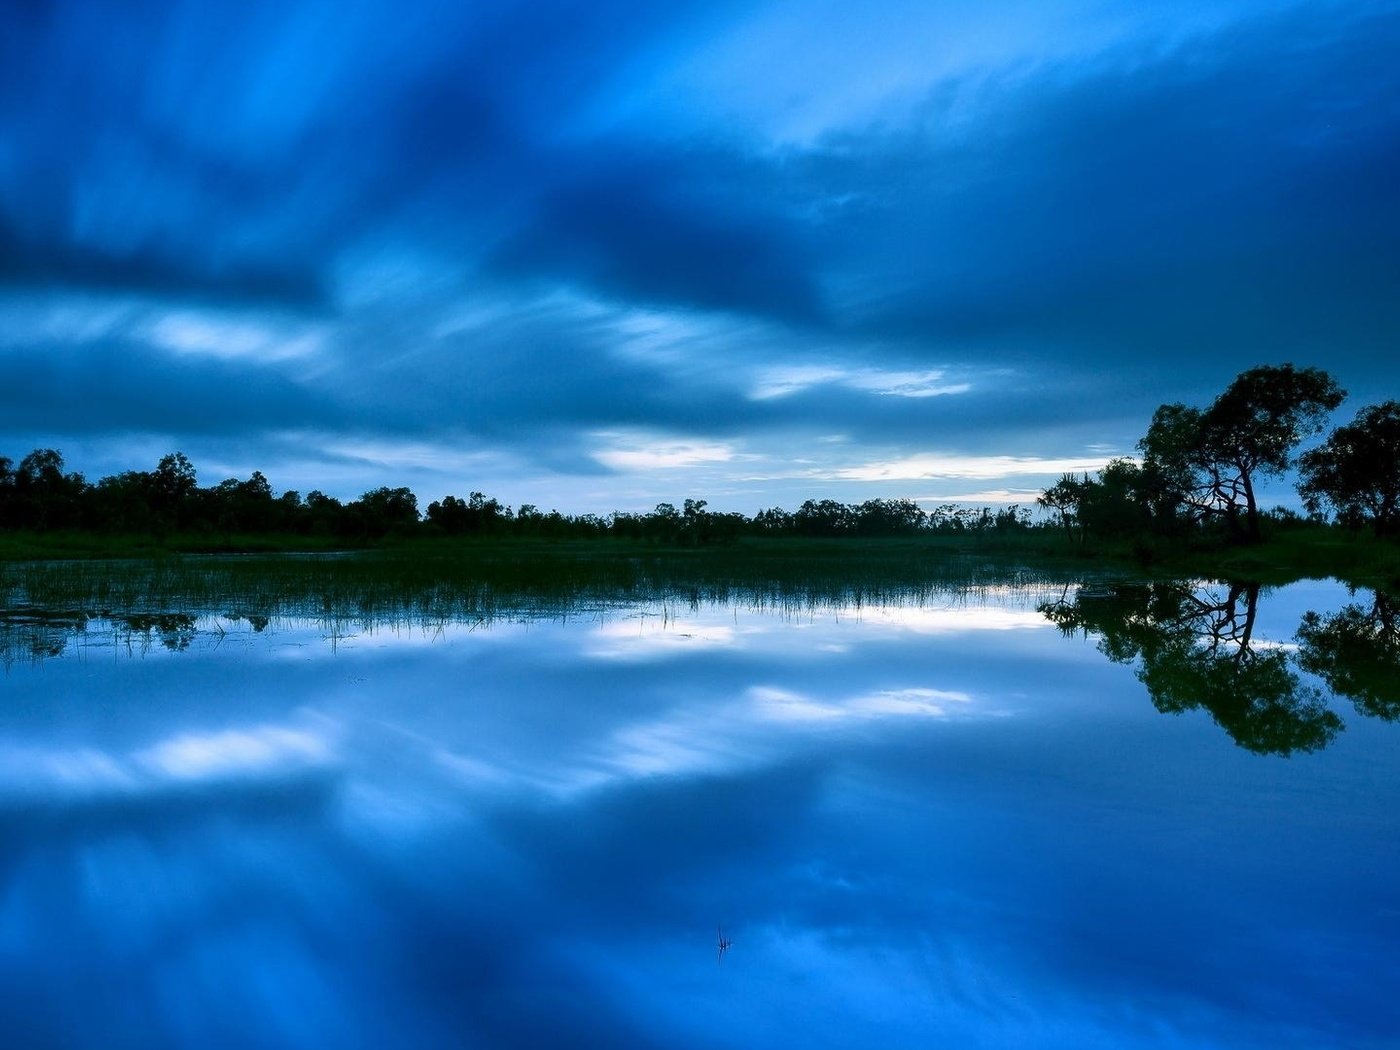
{"x":598,"y":255}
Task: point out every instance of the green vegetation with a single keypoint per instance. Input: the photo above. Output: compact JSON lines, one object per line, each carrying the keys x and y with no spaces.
{"x":424,"y":579}
{"x":1188,"y":507}
{"x":45,"y":510}
{"x":425,"y":583}
{"x":1204,"y":462}
{"x":1190,"y":503}
{"x":1357,"y":471}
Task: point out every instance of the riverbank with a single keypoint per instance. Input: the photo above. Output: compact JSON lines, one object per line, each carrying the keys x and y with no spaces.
{"x":604,"y":564}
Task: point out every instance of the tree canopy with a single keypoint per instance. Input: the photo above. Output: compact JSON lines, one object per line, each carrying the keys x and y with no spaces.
{"x":1211,"y":458}
{"x":1357,"y":470}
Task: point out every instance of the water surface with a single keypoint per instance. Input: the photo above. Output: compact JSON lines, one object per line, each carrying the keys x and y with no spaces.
{"x":1019,"y":816}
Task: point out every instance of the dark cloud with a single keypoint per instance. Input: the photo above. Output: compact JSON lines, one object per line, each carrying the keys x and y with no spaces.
{"x":691,"y":228}
{"x":1189,"y":213}
{"x":1079,"y":237}
{"x":126,"y":387}
{"x":186,"y":149}
{"x":166,"y":268}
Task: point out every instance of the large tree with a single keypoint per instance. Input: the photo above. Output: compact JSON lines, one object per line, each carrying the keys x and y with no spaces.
{"x":1357,"y":470}
{"x":1214,"y":457}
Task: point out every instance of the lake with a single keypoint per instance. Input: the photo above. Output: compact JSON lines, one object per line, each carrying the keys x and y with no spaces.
{"x":1030,"y":815}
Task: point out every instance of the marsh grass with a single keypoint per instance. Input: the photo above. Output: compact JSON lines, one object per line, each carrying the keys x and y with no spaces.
{"x":427,"y":583}
{"x":43,"y":601}
{"x":481,"y":579}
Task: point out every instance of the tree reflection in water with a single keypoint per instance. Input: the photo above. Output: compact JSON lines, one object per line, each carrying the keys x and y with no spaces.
{"x":39,"y":634}
{"x":1195,"y":648}
{"x":1357,"y":653}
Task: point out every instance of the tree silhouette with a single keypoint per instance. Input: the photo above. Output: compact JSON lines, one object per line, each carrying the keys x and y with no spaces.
{"x":1212,"y":458}
{"x":1357,"y":470}
{"x":1065,"y":497}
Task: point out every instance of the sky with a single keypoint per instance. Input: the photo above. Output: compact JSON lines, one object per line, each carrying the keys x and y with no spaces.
{"x":598,"y":255}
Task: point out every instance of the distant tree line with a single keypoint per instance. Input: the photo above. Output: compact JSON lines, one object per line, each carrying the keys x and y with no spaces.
{"x":1198,"y":474}
{"x":1200,"y":467}
{"x":39,"y":494}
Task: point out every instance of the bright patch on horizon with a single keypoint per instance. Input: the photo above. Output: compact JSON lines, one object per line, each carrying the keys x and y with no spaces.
{"x":928,"y":466}
{"x":983,"y":496}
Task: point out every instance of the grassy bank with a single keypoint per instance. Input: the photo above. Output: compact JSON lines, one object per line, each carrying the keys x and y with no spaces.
{"x":455,"y":578}
{"x":429,"y":580}
{"x":1301,"y":552}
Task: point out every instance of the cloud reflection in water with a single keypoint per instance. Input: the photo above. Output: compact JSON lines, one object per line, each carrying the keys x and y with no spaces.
{"x":914,"y":831}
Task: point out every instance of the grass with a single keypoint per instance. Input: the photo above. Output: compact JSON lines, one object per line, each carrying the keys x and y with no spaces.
{"x":440,"y":579}
{"x":470,"y":579}
{"x":77,"y":545}
{"x":1286,"y":555}
{"x":45,"y":601}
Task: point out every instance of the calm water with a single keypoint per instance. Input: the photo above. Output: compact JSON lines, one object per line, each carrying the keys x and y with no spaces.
{"x":956,"y":823}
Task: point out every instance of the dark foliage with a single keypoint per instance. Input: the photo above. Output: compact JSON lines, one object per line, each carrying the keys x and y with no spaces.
{"x":40,"y":497}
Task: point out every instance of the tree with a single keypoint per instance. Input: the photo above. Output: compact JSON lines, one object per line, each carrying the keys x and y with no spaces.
{"x":1116,"y":503}
{"x":41,"y":496}
{"x":1213,"y":458}
{"x":826,"y":517}
{"x":172,"y":487}
{"x":384,"y":510}
{"x":1175,"y":449}
{"x":889,"y":517}
{"x":1357,"y":470}
{"x":695,"y":521}
{"x":323,"y":513}
{"x":1065,"y":497}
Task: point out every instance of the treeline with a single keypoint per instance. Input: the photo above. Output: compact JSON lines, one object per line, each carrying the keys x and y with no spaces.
{"x":39,"y":495}
{"x":1200,"y":467}
{"x":1197,"y":476}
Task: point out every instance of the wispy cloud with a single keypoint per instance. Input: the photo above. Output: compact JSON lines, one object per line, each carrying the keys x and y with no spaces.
{"x":629,"y":245}
{"x":782,"y":381}
{"x":230,"y":338}
{"x":933,"y":465}
{"x":638,"y":453}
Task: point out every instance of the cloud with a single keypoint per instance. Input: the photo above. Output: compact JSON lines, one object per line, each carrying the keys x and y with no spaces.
{"x":190,"y":333}
{"x":933,"y":465}
{"x":638,"y":453}
{"x":512,"y":231}
{"x":1185,"y":211}
{"x":784,"y":380}
{"x":697,"y":228}
{"x":120,"y":387}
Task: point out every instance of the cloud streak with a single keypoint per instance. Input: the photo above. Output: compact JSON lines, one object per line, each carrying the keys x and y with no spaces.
{"x":1002,"y":232}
